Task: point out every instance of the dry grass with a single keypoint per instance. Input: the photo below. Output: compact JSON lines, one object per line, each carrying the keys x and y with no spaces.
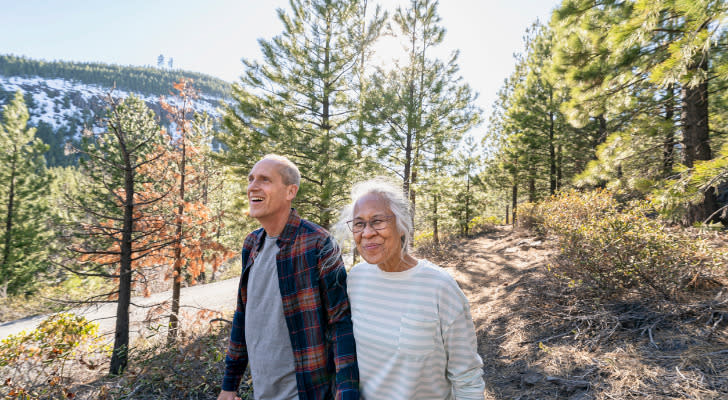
{"x":540,"y":340}
{"x":537,"y":337}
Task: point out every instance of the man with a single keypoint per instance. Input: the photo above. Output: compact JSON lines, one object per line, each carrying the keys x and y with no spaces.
{"x":292,"y":321}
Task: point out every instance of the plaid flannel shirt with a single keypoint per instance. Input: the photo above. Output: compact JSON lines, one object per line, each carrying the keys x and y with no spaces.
{"x":312,"y":281}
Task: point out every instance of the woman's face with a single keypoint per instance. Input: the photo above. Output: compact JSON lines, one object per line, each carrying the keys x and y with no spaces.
{"x":383,"y":246}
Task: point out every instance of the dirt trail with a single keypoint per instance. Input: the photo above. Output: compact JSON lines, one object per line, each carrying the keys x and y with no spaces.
{"x":490,"y":268}
{"x":539,"y":341}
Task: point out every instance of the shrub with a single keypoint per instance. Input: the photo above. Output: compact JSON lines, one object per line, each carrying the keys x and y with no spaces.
{"x":36,"y":364}
{"x":610,"y":250}
{"x":482,"y":224}
{"x":528,"y":217}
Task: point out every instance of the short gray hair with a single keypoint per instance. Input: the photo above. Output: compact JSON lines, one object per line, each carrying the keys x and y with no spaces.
{"x":288,"y":170}
{"x":393,"y":195}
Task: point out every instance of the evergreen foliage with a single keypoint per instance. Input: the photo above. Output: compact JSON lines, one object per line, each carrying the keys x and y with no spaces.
{"x":301,"y":102}
{"x":114,"y":234}
{"x":617,"y":94}
{"x":142,"y":80}
{"x":23,"y":203}
{"x":422,"y":108}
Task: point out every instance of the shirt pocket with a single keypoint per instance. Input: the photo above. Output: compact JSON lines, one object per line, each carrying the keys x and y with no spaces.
{"x":416,"y":336}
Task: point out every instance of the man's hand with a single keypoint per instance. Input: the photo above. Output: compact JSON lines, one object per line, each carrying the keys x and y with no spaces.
{"x":225,"y":395}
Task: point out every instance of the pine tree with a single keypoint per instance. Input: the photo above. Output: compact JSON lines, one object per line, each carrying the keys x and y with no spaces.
{"x":115,"y":236}
{"x":24,"y":232}
{"x":298,"y":102}
{"x":422,"y":104}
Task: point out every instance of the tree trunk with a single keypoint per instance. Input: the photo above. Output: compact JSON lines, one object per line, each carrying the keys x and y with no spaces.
{"x":514,"y":201}
{"x":559,"y":167}
{"x":5,"y":264}
{"x":467,"y":205}
{"x":552,"y":150}
{"x":696,"y":140}
{"x":119,"y":356}
{"x":178,"y":261}
{"x":668,"y":146}
{"x":601,"y":133}
{"x":435,"y":233}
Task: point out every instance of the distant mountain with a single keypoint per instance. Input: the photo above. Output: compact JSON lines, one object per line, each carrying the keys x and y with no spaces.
{"x":64,"y":97}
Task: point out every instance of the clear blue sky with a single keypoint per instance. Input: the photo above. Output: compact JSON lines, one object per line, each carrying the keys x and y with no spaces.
{"x":212,"y":36}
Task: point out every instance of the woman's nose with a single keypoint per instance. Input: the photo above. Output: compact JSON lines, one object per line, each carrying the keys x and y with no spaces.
{"x":368,"y":230}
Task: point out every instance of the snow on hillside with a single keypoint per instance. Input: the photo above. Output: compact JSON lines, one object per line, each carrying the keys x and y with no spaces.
{"x":62,"y":103}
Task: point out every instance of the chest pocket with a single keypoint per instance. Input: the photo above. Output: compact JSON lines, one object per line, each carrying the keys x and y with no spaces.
{"x":416,"y":336}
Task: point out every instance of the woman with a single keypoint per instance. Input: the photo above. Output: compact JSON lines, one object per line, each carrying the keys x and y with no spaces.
{"x":414,"y":335}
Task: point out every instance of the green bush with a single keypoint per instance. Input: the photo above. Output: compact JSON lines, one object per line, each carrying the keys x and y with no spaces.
{"x":36,"y":365}
{"x":482,"y":224}
{"x":610,"y":250}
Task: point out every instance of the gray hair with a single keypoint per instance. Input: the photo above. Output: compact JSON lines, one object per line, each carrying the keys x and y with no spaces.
{"x":393,"y":195}
{"x":288,"y":170}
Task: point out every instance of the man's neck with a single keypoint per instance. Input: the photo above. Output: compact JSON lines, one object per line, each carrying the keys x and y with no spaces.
{"x":275,"y":224}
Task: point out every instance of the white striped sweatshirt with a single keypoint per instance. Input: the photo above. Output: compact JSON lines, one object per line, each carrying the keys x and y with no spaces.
{"x":415,"y":338}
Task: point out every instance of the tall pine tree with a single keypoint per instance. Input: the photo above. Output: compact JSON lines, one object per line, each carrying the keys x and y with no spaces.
{"x":422,"y":105}
{"x":24,"y":236}
{"x":300,"y":101}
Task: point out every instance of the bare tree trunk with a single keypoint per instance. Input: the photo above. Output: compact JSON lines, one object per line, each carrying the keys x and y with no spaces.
{"x":696,"y":140}
{"x":435,"y":233}
{"x":669,"y":138}
{"x":4,"y":264}
{"x":552,"y":150}
{"x":119,"y":356}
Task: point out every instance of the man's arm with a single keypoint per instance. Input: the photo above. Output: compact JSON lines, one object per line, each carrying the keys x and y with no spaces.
{"x":339,"y":327}
{"x":236,"y":359}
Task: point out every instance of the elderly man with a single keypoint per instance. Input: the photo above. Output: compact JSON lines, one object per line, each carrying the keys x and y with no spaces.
{"x":292,"y":321}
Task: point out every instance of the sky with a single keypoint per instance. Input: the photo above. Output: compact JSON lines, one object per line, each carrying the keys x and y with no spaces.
{"x":213,"y":36}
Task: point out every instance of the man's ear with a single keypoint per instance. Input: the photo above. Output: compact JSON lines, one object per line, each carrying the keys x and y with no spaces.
{"x":291,"y":192}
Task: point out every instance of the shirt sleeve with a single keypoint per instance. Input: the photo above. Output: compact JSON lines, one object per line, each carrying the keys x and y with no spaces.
{"x":464,"y":365}
{"x":339,"y":331}
{"x":236,"y":359}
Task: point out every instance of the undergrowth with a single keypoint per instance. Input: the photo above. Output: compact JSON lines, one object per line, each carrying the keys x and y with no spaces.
{"x":65,"y":358}
{"x":611,"y":250}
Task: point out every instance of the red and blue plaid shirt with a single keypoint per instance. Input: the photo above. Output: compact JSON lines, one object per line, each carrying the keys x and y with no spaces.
{"x":312,"y":281}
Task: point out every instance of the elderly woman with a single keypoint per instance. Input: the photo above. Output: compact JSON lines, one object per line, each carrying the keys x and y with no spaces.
{"x":414,"y":334}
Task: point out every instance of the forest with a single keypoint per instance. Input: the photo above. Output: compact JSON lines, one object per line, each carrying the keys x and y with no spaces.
{"x":143,"y":80}
{"x":610,"y":137}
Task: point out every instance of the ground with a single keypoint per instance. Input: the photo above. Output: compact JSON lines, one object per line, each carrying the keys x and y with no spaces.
{"x":540,"y":341}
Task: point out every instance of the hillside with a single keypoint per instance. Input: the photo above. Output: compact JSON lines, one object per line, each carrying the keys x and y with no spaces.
{"x":65,"y":97}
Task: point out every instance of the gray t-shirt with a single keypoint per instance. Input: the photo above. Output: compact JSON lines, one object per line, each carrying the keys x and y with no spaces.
{"x":272,"y":365}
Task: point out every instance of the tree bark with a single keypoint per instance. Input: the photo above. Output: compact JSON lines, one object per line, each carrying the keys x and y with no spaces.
{"x":9,"y":218}
{"x":119,"y":356}
{"x":696,"y":140}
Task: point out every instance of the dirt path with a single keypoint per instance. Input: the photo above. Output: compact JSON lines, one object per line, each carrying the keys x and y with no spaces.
{"x":539,"y":341}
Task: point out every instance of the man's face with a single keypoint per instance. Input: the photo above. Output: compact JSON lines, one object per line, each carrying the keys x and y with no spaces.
{"x":268,"y":196}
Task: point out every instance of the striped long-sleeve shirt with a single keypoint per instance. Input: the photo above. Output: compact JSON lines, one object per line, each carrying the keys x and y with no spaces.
{"x":415,"y":338}
{"x":312,"y":281}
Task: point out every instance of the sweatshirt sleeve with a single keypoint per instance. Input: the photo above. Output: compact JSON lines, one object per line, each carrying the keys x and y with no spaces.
{"x":464,"y":365}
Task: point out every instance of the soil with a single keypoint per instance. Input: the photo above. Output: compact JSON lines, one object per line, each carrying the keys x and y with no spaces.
{"x":540,"y":340}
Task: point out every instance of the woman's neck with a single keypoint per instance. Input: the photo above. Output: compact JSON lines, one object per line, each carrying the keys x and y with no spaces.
{"x":402,"y":264}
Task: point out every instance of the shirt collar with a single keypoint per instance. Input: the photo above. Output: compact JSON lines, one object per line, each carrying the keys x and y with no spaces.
{"x":290,"y":231}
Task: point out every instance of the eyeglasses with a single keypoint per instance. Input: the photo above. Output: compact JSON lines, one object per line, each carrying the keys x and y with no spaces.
{"x":377,"y":223}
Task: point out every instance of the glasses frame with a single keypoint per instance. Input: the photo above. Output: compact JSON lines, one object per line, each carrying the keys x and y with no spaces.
{"x":350,"y":224}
